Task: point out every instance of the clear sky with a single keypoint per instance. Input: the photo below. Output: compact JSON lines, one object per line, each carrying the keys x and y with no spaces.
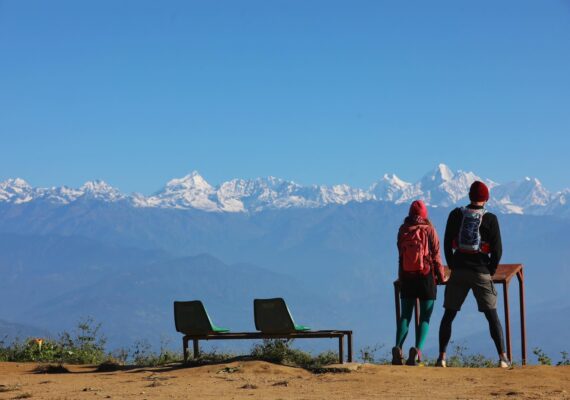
{"x":138,"y":92}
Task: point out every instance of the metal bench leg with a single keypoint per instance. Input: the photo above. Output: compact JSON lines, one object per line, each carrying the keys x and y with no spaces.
{"x":196,"y":348}
{"x":185,"y":348}
{"x":349,"y":340}
{"x":341,"y":350}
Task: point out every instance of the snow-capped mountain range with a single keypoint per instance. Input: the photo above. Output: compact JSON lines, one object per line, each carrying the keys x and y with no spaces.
{"x":440,"y":187}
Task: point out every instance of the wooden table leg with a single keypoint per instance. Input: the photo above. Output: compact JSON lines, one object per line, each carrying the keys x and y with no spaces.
{"x":507,"y":320}
{"x":520,"y":276}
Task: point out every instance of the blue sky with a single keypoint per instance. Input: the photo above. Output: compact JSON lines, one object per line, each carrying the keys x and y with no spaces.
{"x":138,"y":92}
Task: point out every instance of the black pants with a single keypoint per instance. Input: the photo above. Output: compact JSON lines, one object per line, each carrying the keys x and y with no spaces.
{"x":495,"y":329}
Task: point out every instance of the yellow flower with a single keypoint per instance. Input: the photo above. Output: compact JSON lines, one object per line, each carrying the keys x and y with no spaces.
{"x":39,"y":342}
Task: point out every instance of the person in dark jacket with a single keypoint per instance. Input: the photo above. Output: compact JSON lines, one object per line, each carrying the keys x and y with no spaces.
{"x":473,"y":249}
{"x":420,"y":284}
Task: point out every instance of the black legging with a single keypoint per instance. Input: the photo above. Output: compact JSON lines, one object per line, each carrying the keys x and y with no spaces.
{"x":494,"y":327}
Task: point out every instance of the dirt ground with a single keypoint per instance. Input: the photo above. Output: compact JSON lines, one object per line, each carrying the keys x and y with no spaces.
{"x":260,"y":380}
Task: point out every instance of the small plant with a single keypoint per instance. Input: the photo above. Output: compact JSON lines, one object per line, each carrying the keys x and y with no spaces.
{"x":272,"y":350}
{"x":87,"y":346}
{"x":541,"y":356}
{"x":369,"y":354}
{"x":565,"y":359}
{"x":461,"y":359}
{"x":142,"y":354}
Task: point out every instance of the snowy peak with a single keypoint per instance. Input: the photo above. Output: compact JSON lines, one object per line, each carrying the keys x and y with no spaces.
{"x":16,"y":190}
{"x":100,"y":190}
{"x":517,"y":196}
{"x":60,"y":195}
{"x":440,"y":187}
{"x":190,"y":191}
{"x":441,"y":173}
{"x":392,"y":188}
{"x":191,"y":181}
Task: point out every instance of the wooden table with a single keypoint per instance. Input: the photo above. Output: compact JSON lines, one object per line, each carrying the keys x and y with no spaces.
{"x":504,"y":275}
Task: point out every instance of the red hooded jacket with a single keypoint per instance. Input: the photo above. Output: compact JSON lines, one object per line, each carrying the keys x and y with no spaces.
{"x":433,"y":258}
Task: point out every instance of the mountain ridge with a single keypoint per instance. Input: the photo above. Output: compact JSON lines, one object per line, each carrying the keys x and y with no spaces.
{"x":440,"y":187}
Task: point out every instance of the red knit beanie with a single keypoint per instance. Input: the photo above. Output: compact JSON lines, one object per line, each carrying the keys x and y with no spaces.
{"x":418,"y":208}
{"x":478,"y":192}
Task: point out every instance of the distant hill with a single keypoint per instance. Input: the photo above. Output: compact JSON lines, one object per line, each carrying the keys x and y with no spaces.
{"x":10,"y":331}
{"x":335,"y":264}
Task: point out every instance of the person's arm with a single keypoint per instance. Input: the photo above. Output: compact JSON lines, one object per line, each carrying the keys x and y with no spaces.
{"x":496,"y":245}
{"x":451,"y":230}
{"x":435,"y":254}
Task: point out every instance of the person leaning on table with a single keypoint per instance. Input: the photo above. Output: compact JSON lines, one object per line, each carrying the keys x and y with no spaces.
{"x":473,"y":249}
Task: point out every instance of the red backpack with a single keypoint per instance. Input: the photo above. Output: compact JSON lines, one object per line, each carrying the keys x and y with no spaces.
{"x":414,"y":249}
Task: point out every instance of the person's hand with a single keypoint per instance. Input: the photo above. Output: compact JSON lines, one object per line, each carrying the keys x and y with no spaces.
{"x":443,"y":279}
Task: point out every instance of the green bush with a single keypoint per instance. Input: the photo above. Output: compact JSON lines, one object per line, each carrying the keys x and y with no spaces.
{"x":279,"y":351}
{"x":85,"y":346}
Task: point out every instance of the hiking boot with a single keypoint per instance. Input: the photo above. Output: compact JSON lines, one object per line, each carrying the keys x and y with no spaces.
{"x":397,"y":356}
{"x":504,"y":362}
{"x":414,"y":357}
{"x":441,"y":363}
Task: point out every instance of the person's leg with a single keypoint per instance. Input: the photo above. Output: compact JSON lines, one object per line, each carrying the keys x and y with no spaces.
{"x":402,"y":330}
{"x":445,"y":332}
{"x":496,"y":330}
{"x":486,"y":296}
{"x":403,"y":326}
{"x":426,"y":309}
{"x":456,"y":291}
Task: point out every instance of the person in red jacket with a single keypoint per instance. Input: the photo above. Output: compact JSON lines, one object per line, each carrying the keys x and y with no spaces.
{"x":419,"y":270}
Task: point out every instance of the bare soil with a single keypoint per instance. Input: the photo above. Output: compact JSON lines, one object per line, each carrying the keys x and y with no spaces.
{"x":261,"y":380}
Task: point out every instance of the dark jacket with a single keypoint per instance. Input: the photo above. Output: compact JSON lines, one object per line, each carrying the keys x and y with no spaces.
{"x":490,"y":233}
{"x":433,"y":259}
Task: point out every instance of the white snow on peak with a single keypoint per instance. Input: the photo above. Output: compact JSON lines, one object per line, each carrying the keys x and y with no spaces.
{"x":441,"y":187}
{"x":191,"y":181}
{"x":190,"y":191}
{"x":59,"y":195}
{"x":16,"y":190}
{"x":100,"y":190}
{"x":527,"y":193}
{"x":391,"y":188}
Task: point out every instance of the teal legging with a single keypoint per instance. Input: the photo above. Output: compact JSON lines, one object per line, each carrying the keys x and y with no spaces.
{"x":426,"y":308}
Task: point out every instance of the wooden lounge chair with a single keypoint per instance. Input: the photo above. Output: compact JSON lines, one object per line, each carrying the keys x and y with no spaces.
{"x":273,"y":320}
